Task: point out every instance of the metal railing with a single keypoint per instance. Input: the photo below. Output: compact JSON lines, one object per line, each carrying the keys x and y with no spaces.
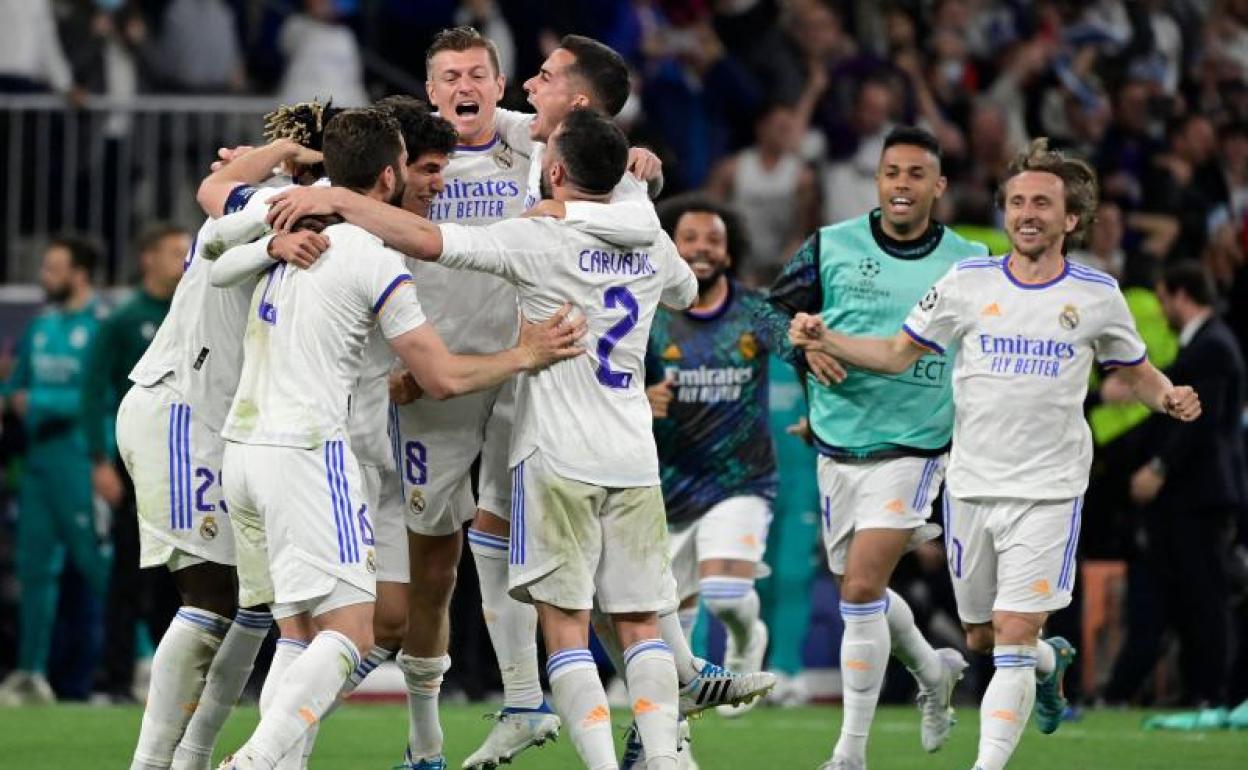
{"x":107,"y":169}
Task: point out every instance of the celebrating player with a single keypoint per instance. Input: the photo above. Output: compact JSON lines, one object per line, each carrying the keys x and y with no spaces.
{"x":1027,"y":327}
{"x":882,"y":441}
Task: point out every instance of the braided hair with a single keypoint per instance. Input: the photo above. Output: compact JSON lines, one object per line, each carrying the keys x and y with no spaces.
{"x":304,"y":124}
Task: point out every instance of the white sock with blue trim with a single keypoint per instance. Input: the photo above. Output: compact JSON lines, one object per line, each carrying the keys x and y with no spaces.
{"x":654,"y":700}
{"x":908,"y":644}
{"x":285,"y":653}
{"x":306,"y":690}
{"x":179,"y":670}
{"x":512,"y":624}
{"x":864,"y":656}
{"x":1007,"y":704}
{"x":228,"y":675}
{"x":581,"y":702}
{"x":735,"y":602}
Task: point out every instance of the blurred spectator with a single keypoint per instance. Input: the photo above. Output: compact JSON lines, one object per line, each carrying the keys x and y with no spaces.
{"x":198,"y":49}
{"x":123,"y":337}
{"x":31,"y":57}
{"x":322,"y":58}
{"x":1181,"y":182}
{"x":773,"y":189}
{"x":1129,"y":146}
{"x":696,"y":95}
{"x":973,"y":186}
{"x":55,"y":509}
{"x":849,"y":184}
{"x":1193,"y":485}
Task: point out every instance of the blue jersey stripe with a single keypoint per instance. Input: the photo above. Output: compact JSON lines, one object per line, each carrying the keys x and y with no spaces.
{"x":390,"y":289}
{"x":922,"y":340}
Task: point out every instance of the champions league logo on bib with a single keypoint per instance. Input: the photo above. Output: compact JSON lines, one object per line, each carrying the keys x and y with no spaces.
{"x":869,"y":267}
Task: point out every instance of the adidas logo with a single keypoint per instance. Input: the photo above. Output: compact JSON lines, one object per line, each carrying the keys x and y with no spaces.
{"x":991,"y":308}
{"x":596,"y":717}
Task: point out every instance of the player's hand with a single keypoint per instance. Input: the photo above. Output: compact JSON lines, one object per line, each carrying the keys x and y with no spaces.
{"x":826,"y":369}
{"x":300,"y":249}
{"x":660,"y":395}
{"x":107,"y":483}
{"x":403,"y":387}
{"x":806,"y":330}
{"x":644,"y":164}
{"x":1182,"y":403}
{"x":227,"y":154}
{"x":802,"y":430}
{"x":287,"y":208}
{"x":552,"y":340}
{"x":1145,"y":484}
{"x":548,"y":208}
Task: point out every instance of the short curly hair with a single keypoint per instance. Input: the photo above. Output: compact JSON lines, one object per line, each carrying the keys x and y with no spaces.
{"x":423,"y":132}
{"x":671,"y":210}
{"x":1078,"y":180}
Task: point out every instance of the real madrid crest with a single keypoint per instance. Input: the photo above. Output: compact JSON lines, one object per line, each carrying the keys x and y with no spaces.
{"x":416,"y":501}
{"x":1069,"y":317}
{"x":208,"y":528}
{"x":929,"y":300}
{"x":503,"y":157}
{"x":370,"y":561}
{"x":748,"y":345}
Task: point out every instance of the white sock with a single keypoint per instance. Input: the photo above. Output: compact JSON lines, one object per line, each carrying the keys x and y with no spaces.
{"x":1046,"y":660}
{"x":864,"y":655}
{"x":734,"y":601}
{"x":512,"y":624}
{"x":179,"y":670}
{"x":228,"y":675}
{"x":1007,"y":705}
{"x":372,"y":660}
{"x":582,"y":703}
{"x":909,"y":646}
{"x":424,"y":683}
{"x":652,"y":692}
{"x":688,"y":617}
{"x":285,"y":653}
{"x":687,"y":667}
{"x":308,"y":687}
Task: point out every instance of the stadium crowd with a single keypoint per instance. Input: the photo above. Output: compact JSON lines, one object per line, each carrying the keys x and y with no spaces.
{"x":778,"y":109}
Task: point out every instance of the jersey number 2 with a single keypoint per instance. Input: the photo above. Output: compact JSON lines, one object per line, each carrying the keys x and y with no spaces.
{"x":616,"y":296}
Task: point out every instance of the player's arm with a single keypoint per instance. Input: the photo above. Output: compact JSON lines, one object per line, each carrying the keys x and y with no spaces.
{"x":401,"y":230}
{"x":1155,"y":390}
{"x":890,"y":355}
{"x":241,"y":263}
{"x":646,"y":167}
{"x":442,"y":374}
{"x":250,"y":168}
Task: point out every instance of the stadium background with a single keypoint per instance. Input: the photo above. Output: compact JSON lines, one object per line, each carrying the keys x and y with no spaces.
{"x":111,"y":110}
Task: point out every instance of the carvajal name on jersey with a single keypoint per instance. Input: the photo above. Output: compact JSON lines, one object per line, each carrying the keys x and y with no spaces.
{"x":709,"y":385}
{"x":615,"y":262}
{"x":1019,"y":355}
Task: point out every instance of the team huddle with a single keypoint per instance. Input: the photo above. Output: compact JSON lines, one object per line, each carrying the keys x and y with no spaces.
{"x":421,"y":291}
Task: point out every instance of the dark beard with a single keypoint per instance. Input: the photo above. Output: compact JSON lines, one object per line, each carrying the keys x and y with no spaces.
{"x":708,"y":283}
{"x":58,"y":296}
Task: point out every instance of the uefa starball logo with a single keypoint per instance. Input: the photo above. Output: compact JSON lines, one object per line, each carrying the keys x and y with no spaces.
{"x":869,"y":267}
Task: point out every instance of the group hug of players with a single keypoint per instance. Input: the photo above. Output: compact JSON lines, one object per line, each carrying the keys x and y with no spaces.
{"x":301,"y":430}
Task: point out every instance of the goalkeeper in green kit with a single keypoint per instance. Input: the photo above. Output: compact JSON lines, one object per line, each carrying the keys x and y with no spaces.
{"x":883,"y":440}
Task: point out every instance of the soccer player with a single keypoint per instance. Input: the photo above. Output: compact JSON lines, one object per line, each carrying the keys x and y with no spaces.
{"x":168,"y":436}
{"x":55,"y":515}
{"x":882,"y":441}
{"x":1027,"y":327}
{"x":123,"y":338}
{"x":303,"y":545}
{"x":709,"y":398}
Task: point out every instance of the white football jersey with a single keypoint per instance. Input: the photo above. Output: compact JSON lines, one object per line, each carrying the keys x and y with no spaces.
{"x":475,"y":312}
{"x":306,"y":336}
{"x":370,"y":406}
{"x":1024,"y":352}
{"x":589,"y":415}
{"x":198,"y":349}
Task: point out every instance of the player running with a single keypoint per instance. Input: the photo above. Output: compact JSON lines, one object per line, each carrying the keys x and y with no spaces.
{"x":1027,"y":328}
{"x":291,"y":478}
{"x":882,"y":441}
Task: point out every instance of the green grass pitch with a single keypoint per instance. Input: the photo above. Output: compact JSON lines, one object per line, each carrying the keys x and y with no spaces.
{"x":370,"y":737}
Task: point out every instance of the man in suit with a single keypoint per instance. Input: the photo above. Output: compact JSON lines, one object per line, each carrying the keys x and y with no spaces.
{"x":1192,"y":485}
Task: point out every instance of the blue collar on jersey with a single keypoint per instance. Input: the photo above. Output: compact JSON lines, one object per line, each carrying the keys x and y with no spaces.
{"x":1005,"y":266}
{"x":478,"y":147}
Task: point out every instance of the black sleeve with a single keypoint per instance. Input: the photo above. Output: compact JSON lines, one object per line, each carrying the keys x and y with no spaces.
{"x":797,"y":289}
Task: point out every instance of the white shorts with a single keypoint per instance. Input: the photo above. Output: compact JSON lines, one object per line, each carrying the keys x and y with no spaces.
{"x":175,"y":462}
{"x":1011,"y":555}
{"x":385,"y":504}
{"x":438,"y":443}
{"x":735,"y":528}
{"x":571,"y":541}
{"x":301,"y":522}
{"x":895,"y":493}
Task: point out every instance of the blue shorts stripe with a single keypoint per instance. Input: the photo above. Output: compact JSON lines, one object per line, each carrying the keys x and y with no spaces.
{"x":925,"y":479}
{"x":173,"y":464}
{"x":1065,"y":577}
{"x":188,"y":503}
{"x":515,"y":520}
{"x":335,"y":502}
{"x":348,"y":510}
